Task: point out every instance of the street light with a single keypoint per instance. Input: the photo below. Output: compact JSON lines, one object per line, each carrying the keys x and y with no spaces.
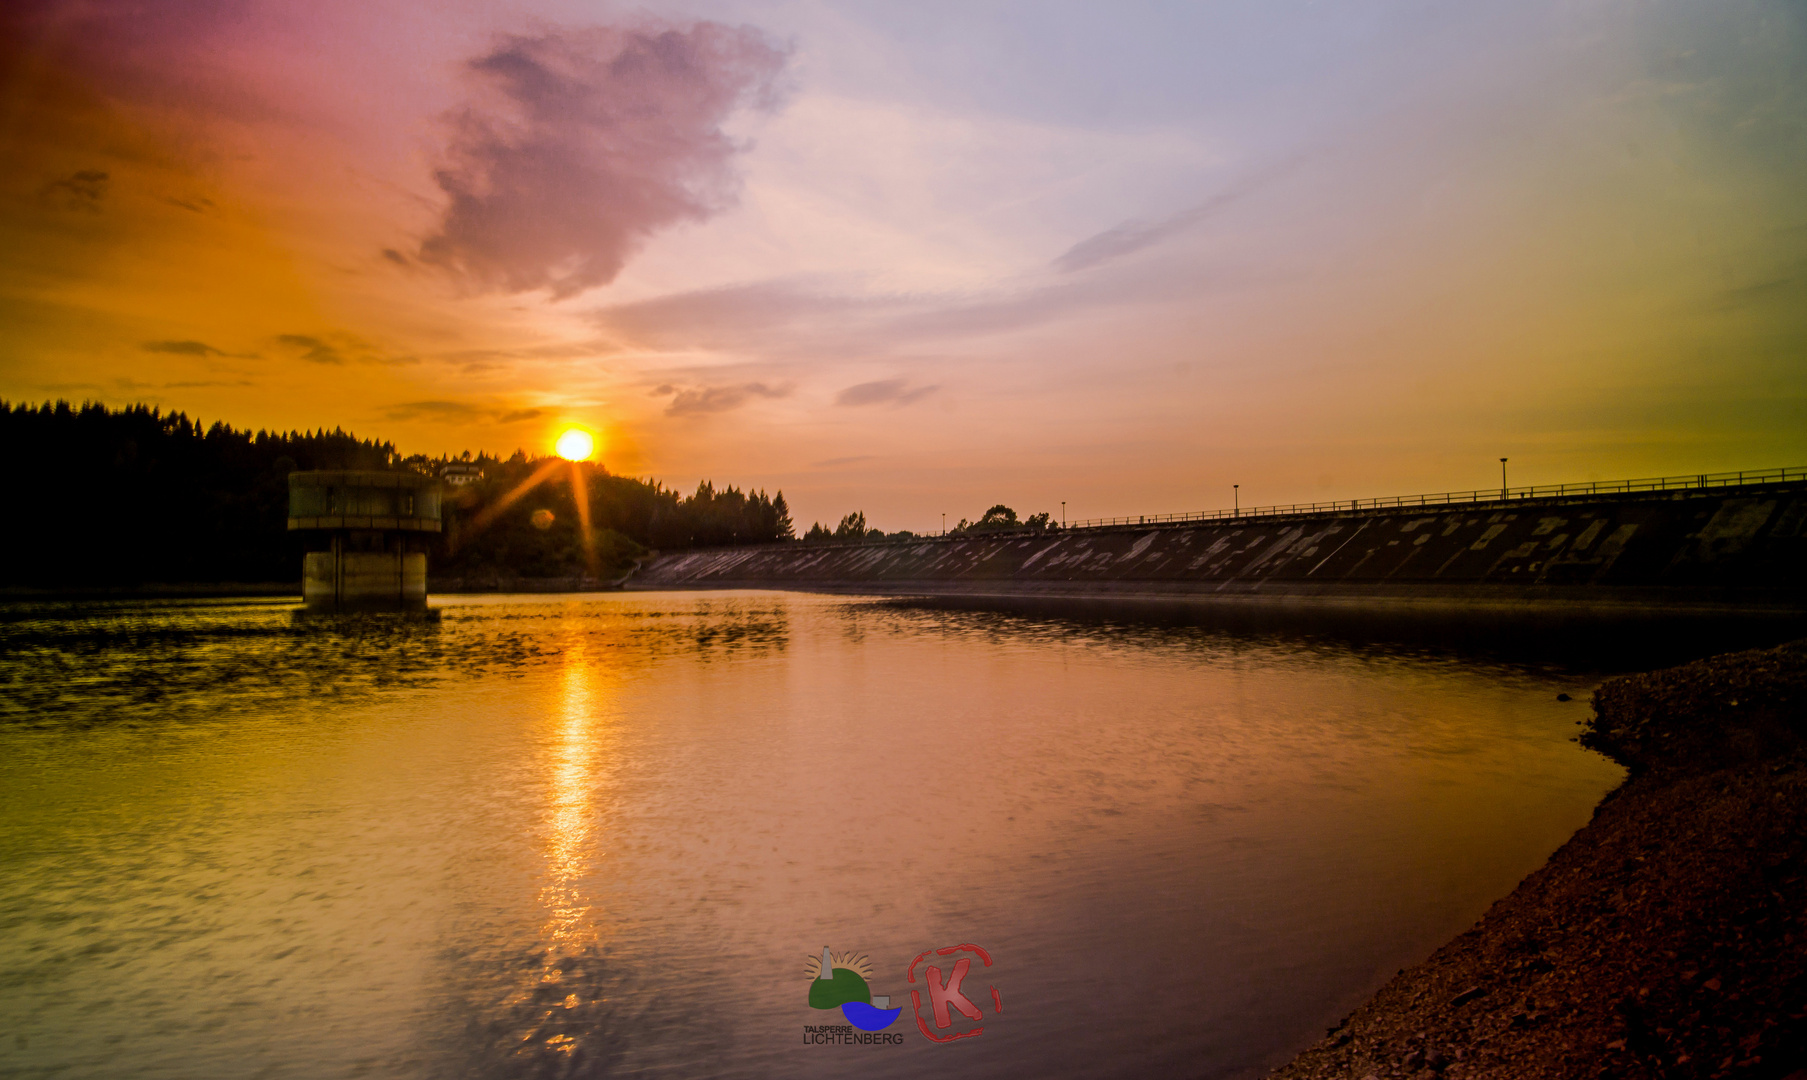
{"x":1063,"y":513}
{"x":1236,"y":498}
{"x":943,"y":524}
{"x":1503,"y":488}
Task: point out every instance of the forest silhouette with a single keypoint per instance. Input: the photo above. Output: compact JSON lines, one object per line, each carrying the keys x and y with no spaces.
{"x":106,"y":497}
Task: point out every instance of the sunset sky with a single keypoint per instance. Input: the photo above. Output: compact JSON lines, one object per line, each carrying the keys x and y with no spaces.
{"x":919,"y":258}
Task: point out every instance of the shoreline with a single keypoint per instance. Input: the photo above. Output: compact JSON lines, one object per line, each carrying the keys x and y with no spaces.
{"x":179,"y":590}
{"x":1666,"y":939}
{"x":201,"y":590}
{"x":1770,"y":616}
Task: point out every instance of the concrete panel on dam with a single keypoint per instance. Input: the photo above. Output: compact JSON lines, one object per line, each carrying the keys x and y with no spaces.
{"x":1740,"y":547}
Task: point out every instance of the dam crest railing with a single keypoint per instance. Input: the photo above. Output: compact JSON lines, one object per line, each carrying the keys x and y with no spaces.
{"x":1692,"y":481}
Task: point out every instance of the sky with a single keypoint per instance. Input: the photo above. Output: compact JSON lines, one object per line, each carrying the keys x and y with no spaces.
{"x":916,"y":259}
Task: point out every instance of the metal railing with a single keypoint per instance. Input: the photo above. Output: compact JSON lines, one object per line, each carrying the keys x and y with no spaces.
{"x":1479,"y":495}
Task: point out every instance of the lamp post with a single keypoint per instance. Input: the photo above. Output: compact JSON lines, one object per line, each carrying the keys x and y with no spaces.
{"x":1236,"y":498}
{"x":943,"y":524}
{"x":1503,"y":488}
{"x":1063,"y":513}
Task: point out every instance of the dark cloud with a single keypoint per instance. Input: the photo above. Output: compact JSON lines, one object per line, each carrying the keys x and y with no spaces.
{"x":182,"y":348}
{"x":714,"y":399}
{"x":1763,"y":290}
{"x":488,"y":359}
{"x":442,"y":410}
{"x":883,"y":392}
{"x":792,"y":321}
{"x":594,"y":140}
{"x":714,"y":317}
{"x":133,"y":386}
{"x":787,"y":318}
{"x":459,"y":412}
{"x":1133,"y":236}
{"x":1121,"y":240}
{"x":78,"y":191}
{"x":339,"y":348}
{"x":662,"y":389}
{"x":312,"y":349}
{"x":396,"y":257}
{"x":195,"y":205}
{"x":1781,"y":283}
{"x":477,"y":359}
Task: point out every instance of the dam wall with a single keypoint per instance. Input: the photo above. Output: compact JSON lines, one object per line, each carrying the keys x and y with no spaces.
{"x":1737,"y":551}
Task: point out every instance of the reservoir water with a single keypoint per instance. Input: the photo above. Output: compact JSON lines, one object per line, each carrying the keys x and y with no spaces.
{"x":601,"y":836}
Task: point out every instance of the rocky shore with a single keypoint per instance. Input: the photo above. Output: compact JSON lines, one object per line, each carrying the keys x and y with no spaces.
{"x":1666,"y":939}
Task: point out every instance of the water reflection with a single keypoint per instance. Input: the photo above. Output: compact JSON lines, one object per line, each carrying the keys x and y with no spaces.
{"x":560,"y":1016}
{"x":572,"y":930}
{"x":1600,"y":638}
{"x":70,"y":665}
{"x":604,"y":852}
{"x":571,"y":826}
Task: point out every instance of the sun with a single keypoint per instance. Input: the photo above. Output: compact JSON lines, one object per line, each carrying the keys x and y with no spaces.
{"x":576,"y":444}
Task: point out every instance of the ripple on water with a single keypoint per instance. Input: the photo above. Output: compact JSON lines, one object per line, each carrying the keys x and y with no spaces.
{"x":557,"y":836}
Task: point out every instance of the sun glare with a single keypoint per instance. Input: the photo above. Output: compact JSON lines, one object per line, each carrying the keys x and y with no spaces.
{"x":576,"y":445}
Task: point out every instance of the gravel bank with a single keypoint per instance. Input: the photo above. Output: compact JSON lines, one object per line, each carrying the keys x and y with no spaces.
{"x":1666,"y":939}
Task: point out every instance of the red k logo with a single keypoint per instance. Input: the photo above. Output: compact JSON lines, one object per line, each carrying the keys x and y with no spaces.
{"x":949,"y":993}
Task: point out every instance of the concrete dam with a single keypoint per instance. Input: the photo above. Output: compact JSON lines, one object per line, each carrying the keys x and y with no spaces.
{"x":1720,"y":549}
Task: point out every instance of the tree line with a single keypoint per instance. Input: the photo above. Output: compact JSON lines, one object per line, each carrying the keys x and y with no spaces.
{"x":102,"y":497}
{"x":999,"y":518}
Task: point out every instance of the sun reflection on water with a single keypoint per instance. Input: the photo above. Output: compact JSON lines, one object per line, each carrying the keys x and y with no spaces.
{"x":578,"y":760}
{"x":571,"y":841}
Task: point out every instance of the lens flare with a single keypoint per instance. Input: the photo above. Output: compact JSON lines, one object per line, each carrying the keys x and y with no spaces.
{"x":576,"y":445}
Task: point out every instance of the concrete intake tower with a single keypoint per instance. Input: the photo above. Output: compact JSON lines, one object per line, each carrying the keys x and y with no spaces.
{"x":369,"y":533}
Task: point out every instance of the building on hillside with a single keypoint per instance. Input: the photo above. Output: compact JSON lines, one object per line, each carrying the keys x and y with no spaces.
{"x":460,"y":473}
